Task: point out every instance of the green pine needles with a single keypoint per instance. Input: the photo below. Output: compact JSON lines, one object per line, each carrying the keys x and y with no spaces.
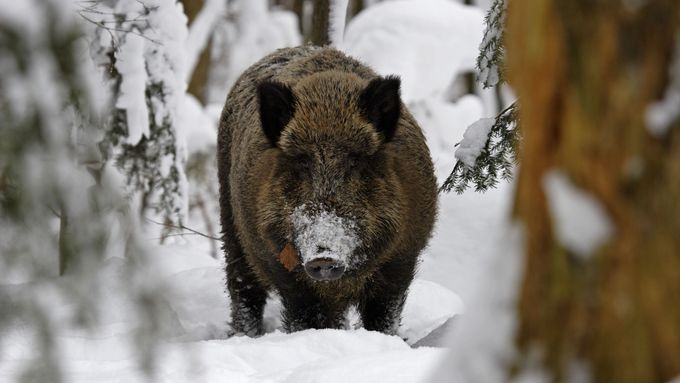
{"x":497,"y":157}
{"x":491,"y":51}
{"x":496,"y":161}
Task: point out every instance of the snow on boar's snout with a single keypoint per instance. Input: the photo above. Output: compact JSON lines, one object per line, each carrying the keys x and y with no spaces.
{"x":325,"y":241}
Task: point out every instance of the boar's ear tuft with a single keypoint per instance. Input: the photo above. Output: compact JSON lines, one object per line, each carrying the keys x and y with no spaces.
{"x":277,"y":104}
{"x":381,"y":105}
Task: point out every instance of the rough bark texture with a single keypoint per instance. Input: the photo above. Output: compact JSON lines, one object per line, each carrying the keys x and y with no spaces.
{"x":585,"y":72}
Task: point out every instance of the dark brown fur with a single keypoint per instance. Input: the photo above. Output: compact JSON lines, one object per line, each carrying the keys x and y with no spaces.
{"x":330,"y":155}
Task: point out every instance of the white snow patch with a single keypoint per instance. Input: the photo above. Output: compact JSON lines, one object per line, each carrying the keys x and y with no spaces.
{"x":483,"y":341}
{"x":130,"y":65}
{"x":197,"y":125}
{"x":426,"y":42}
{"x":661,"y":115}
{"x":439,"y":303}
{"x":474,"y":139}
{"x":444,"y":123}
{"x":579,"y":220}
{"x":394,"y":366}
{"x":336,"y":27}
{"x":324,"y":229}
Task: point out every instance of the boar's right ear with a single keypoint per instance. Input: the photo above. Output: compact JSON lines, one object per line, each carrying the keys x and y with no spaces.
{"x":277,"y":104}
{"x":381,"y":105}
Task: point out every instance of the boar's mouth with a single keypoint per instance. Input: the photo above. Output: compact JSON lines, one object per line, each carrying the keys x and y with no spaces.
{"x":325,"y":241}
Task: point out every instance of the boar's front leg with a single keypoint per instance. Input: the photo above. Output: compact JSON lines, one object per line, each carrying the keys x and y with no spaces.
{"x":384,"y":296}
{"x":248,"y":297}
{"x":304,"y":310}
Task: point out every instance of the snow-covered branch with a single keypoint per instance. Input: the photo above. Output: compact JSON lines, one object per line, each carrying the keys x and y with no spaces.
{"x":491,"y":50}
{"x":486,"y":154}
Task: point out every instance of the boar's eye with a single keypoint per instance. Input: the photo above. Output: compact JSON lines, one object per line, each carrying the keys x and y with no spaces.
{"x":357,"y":164}
{"x":302,"y":163}
{"x":353,"y":161}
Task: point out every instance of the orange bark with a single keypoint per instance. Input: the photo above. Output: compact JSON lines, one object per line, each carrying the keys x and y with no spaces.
{"x":585,"y":72}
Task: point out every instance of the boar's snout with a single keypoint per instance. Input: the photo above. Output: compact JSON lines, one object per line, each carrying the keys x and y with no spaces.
{"x":324,"y":269}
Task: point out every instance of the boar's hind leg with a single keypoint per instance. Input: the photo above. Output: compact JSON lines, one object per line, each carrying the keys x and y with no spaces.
{"x":248,"y":297}
{"x":385,"y":294}
{"x":303,"y":311}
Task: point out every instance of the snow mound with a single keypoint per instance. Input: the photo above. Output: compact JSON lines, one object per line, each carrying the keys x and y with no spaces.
{"x":426,"y":42}
{"x":196,"y":295}
{"x":195,"y":348}
{"x":428,"y":306}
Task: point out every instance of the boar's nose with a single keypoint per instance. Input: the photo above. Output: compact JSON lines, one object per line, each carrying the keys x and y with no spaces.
{"x":324,"y":269}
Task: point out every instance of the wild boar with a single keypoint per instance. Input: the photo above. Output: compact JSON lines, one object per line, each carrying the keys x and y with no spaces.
{"x":327,"y":192}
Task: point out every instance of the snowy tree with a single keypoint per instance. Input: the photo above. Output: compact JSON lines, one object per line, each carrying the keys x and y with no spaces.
{"x":141,"y":47}
{"x":494,"y":153}
{"x":491,"y":52}
{"x":600,"y":68}
{"x":595,"y":272}
{"x":328,"y":22}
{"x":320,"y":23}
{"x":61,"y":210}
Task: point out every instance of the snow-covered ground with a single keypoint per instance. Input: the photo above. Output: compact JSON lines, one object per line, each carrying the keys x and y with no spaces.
{"x":196,"y":347}
{"x":195,"y":308}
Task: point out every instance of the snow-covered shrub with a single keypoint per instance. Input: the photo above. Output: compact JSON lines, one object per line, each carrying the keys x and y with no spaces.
{"x":61,"y":206}
{"x":141,"y":47}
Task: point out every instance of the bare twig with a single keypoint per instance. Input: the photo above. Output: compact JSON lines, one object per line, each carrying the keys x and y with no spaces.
{"x":182,"y":227}
{"x":108,"y":28}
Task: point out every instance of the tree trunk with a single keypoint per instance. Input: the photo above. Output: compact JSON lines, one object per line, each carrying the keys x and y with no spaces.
{"x":199,"y":79}
{"x":585,"y":72}
{"x":355,"y":6}
{"x":319,"y":35}
{"x":469,"y":77}
{"x":299,"y":9}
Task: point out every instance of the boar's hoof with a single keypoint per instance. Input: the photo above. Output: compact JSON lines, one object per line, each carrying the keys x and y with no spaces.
{"x":324,"y":269}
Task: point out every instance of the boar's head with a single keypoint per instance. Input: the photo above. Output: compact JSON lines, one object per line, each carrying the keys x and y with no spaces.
{"x":332,"y":180}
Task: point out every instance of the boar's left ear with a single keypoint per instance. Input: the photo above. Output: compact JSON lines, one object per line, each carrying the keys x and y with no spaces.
{"x":381,"y":105}
{"x":277,"y":104}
